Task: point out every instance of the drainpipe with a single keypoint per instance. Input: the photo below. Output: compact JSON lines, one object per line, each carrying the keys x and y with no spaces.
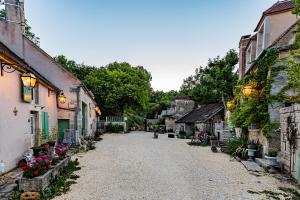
{"x":77,"y":109}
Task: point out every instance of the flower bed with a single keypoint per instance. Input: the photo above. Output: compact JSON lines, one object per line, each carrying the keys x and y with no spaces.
{"x":41,"y":182}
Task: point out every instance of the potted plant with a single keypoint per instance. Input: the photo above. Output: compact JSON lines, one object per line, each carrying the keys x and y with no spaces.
{"x":37,"y":150}
{"x":52,"y":139}
{"x":272,"y":157}
{"x":251,"y":150}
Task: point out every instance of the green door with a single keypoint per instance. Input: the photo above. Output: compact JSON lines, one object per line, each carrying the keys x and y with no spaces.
{"x":84,"y":119}
{"x":63,"y":124}
{"x":45,"y":125}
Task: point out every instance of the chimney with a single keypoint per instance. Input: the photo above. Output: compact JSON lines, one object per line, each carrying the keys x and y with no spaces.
{"x":242,"y":55}
{"x":15,"y":12}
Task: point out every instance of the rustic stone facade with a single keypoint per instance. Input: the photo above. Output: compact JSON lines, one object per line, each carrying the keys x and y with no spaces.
{"x":287,"y":157}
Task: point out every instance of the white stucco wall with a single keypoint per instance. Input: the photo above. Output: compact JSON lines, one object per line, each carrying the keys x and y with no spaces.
{"x":15,"y":131}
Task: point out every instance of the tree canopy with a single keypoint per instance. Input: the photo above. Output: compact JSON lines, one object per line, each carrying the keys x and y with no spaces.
{"x":214,"y":82}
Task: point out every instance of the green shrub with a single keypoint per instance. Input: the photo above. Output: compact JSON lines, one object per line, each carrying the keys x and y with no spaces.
{"x":237,"y":147}
{"x":182,"y":135}
{"x":114,"y":128}
{"x":272,"y":152}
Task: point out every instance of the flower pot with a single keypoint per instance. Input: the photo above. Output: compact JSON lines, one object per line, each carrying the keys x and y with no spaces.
{"x":36,"y":151}
{"x":271,"y":161}
{"x":251,"y":154}
{"x":51,"y":143}
{"x":251,"y":146}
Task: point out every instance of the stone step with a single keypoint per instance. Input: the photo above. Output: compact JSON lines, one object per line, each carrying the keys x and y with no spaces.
{"x":6,"y":191}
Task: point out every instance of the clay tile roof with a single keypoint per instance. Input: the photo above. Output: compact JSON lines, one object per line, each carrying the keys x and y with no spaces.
{"x":278,"y":7}
{"x":202,"y":114}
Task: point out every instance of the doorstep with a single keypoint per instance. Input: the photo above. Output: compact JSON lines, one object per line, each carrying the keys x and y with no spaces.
{"x":262,"y":162}
{"x":252,"y":166}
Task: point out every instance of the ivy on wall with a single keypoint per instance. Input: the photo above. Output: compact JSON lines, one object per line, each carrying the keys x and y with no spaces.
{"x":254,"y":109}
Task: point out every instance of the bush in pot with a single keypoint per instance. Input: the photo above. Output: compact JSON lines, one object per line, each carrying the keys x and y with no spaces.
{"x":272,"y":157}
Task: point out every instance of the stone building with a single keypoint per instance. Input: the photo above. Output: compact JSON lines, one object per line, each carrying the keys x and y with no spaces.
{"x":206,"y":118}
{"x":180,"y":106}
{"x":290,"y":144}
{"x":274,"y":30}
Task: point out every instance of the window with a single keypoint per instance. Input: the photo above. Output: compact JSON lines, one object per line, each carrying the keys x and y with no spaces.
{"x":248,"y":57}
{"x":260,"y":40}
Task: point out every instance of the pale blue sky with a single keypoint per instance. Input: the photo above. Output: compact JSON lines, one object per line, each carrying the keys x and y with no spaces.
{"x":170,"y":38}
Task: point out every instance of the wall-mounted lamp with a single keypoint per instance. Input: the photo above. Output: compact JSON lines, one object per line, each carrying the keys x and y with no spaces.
{"x":29,"y":80}
{"x":62,"y":98}
{"x":249,"y":90}
{"x":98,"y":111}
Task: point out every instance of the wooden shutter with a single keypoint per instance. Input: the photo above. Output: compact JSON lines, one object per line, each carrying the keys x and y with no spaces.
{"x":45,"y":124}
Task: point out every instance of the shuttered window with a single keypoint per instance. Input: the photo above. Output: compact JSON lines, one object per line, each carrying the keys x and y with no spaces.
{"x":45,"y":124}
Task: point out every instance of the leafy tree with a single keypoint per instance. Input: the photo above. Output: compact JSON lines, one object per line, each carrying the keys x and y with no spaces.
{"x":213,"y":83}
{"x":119,"y":86}
{"x":79,"y":70}
{"x":159,"y":101}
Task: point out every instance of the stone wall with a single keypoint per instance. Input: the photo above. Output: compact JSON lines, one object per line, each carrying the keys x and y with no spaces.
{"x":292,"y":112}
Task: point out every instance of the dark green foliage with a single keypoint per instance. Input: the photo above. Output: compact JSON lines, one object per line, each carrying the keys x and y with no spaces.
{"x":237,"y":147}
{"x":272,"y":152}
{"x":182,"y":135}
{"x":114,"y":128}
{"x":2,"y":13}
{"x":119,"y":88}
{"x":213,"y":83}
{"x":79,"y":70}
{"x":254,"y":109}
{"x":159,"y":101}
{"x":286,"y":193}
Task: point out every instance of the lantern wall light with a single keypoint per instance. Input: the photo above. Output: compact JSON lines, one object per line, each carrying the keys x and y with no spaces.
{"x":62,"y":98}
{"x":29,"y":80}
{"x":230,"y":104}
{"x":98,"y":111}
{"x":249,"y":90}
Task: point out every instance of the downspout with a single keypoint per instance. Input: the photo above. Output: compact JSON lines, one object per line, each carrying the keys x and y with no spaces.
{"x":77,"y":109}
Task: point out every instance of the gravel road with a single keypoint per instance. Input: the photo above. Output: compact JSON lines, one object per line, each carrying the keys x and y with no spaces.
{"x":136,"y":167}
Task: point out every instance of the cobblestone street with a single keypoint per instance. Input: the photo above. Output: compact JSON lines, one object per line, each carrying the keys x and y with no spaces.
{"x":134,"y":166}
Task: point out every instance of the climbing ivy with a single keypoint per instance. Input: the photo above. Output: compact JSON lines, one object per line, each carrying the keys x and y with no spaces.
{"x":254,"y":109}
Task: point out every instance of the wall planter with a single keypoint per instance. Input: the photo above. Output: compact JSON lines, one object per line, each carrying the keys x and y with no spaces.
{"x":271,"y":161}
{"x":41,"y":182}
{"x":251,"y":154}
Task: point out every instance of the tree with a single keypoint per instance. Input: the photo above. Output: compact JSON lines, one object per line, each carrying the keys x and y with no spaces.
{"x":119,"y":86}
{"x":79,"y":70}
{"x":159,"y":101}
{"x":213,"y":83}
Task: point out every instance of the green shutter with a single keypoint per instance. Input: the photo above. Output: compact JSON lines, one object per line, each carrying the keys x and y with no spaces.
{"x":45,"y":124}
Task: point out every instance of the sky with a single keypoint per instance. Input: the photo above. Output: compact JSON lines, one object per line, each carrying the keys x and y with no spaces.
{"x":170,"y":38}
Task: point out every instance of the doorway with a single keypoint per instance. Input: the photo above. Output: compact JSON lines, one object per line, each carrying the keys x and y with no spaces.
{"x":84,"y":118}
{"x":63,"y":124}
{"x":34,"y":126}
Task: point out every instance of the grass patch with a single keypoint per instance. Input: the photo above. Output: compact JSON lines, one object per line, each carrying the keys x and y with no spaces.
{"x":60,"y":185}
{"x":286,"y":193}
